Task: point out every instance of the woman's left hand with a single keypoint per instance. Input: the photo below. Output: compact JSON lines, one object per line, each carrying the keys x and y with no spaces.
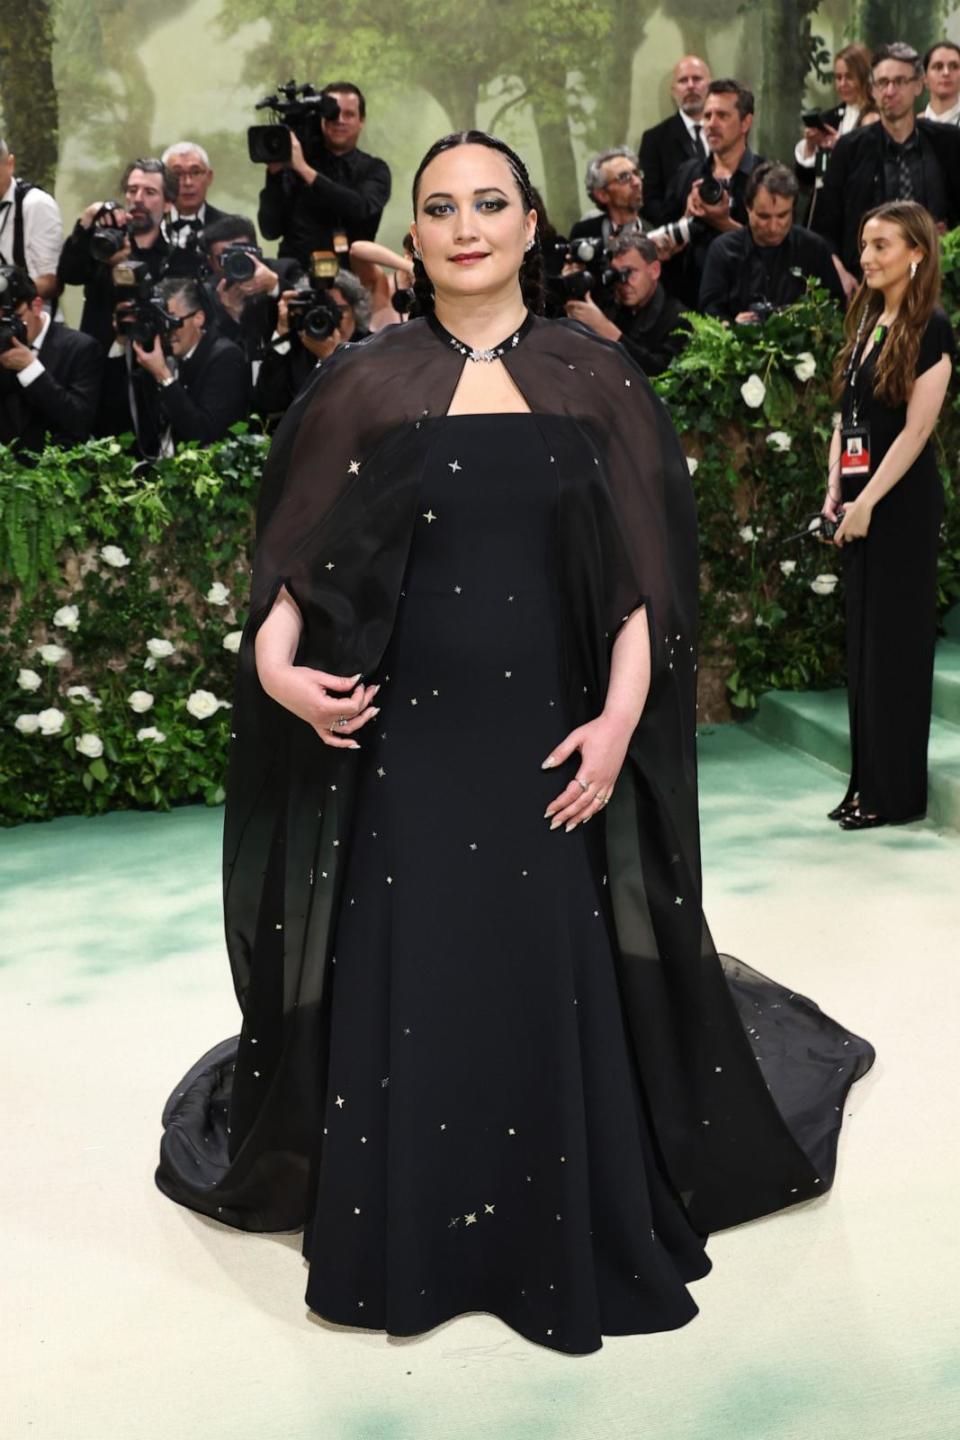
{"x":856,"y":522}
{"x":602,"y":744}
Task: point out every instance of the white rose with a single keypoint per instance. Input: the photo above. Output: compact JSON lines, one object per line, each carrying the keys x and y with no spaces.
{"x":28,"y":680}
{"x":149,"y":663}
{"x":753,"y":391}
{"x":218,"y":594}
{"x":806,"y":366}
{"x":231,"y":642}
{"x":79,"y":692}
{"x":692,"y":464}
{"x":67,"y":617}
{"x":747,"y":534}
{"x":160,"y":649}
{"x":89,"y":745}
{"x":51,"y":654}
{"x":27,"y":724}
{"x":202,"y":704}
{"x":50,"y":721}
{"x":114,"y":556}
{"x":824,"y":584}
{"x":140,"y":701}
{"x":150,"y":732}
{"x":779,"y":440}
{"x":788,"y":566}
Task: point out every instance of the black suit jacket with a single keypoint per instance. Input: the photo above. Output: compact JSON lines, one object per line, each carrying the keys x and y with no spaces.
{"x":854,"y":183}
{"x":211,"y":392}
{"x":348,"y":195}
{"x":58,"y":408}
{"x":684,"y":273}
{"x":663,"y":149}
{"x":258,"y":320}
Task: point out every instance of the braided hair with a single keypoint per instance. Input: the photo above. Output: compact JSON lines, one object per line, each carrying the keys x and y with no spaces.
{"x":531,"y":271}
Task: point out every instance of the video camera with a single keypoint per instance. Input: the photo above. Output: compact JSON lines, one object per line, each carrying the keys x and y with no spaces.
{"x":12,"y":326}
{"x":314,"y":312}
{"x":596,"y":277}
{"x":299,"y":108}
{"x":139,"y":313}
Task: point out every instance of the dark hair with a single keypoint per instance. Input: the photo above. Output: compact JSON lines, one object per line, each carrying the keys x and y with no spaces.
{"x":745,"y":104}
{"x":531,"y":271}
{"x":772,"y":176}
{"x":858,"y":61}
{"x":347,"y":87}
{"x":228,"y":227}
{"x":150,"y":165}
{"x":894,"y":377}
{"x":187,"y":289}
{"x":940,"y":45}
{"x":903,"y":53}
{"x":19,"y":289}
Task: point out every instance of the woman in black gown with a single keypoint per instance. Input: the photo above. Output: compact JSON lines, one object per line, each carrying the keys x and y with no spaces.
{"x":490,"y":1059}
{"x":892,"y":378}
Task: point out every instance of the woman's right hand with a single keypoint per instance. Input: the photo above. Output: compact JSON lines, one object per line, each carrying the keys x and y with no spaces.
{"x":312,"y":696}
{"x":830,"y":508}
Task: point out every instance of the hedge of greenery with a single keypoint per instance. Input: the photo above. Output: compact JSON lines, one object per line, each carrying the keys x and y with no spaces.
{"x":123,"y":587}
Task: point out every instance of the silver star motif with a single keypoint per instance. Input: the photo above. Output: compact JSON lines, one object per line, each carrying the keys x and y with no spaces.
{"x":549,"y":1332}
{"x":488,"y":1209}
{"x":627,"y":383}
{"x":389,"y":879}
{"x":356,"y":1209}
{"x":330,"y":565}
{"x":507,"y":674}
{"x":679,"y":900}
{"x":443,"y":1127}
{"x":363,"y":1139}
{"x":413,"y":702}
{"x":436,"y":692}
{"x":385,"y":1082}
{"x":473,"y":845}
{"x":471,"y":1219}
{"x":429,"y":516}
{"x":381,"y":772}
{"x":454,"y":1223}
{"x":454,"y":465}
{"x":457,"y":590}
{"x":511,"y":1131}
{"x":509,"y":597}
{"x":339,"y":1102}
{"x":354,"y":468}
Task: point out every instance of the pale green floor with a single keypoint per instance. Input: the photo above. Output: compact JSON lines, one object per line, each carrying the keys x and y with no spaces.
{"x":127,"y":1318}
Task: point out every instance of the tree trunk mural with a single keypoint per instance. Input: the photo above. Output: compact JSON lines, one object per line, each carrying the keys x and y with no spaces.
{"x":919,"y":22}
{"x":30,"y":113}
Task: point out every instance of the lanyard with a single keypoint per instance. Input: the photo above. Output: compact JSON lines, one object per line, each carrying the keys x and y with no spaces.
{"x":855,"y":363}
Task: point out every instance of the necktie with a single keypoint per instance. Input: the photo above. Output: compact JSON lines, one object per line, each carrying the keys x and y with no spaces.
{"x":698,"y":139}
{"x":906,"y":181}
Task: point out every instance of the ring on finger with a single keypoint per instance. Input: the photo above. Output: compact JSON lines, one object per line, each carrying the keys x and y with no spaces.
{"x":341,"y":721}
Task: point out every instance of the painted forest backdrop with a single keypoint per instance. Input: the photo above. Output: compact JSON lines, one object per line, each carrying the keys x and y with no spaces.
{"x":87,"y":84}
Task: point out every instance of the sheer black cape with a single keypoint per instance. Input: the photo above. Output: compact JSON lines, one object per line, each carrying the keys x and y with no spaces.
{"x":745,"y":1081}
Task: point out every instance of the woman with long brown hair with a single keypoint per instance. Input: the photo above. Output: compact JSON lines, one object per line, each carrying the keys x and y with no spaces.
{"x":891,"y":378}
{"x":852,"y":67}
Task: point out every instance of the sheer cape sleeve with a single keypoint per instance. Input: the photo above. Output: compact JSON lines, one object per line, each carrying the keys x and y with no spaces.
{"x":745,"y":1081}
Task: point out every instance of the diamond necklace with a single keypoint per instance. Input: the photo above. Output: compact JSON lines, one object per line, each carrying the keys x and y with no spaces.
{"x":485,"y":355}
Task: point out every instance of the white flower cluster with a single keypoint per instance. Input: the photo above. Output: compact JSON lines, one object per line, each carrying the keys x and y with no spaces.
{"x":824,"y":584}
{"x":753,"y":391}
{"x":113,"y":555}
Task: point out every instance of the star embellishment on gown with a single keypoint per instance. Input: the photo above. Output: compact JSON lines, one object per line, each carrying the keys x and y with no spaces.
{"x":354,"y":467}
{"x":454,"y":465}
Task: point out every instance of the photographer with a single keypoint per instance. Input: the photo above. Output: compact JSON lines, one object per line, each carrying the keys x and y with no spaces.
{"x":711,"y":193}
{"x":665,"y":147}
{"x":49,"y":374}
{"x":110,"y":241}
{"x":311,"y":324}
{"x":645,"y":318}
{"x":189,"y":164}
{"x":329,"y":192}
{"x":615,"y":185}
{"x":243,"y":305}
{"x":168,"y":380}
{"x":765,"y":265}
{"x":31,"y":230}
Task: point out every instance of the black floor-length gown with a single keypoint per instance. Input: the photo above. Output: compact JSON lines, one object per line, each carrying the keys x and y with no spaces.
{"x":891,"y":608}
{"x":484,"y":1065}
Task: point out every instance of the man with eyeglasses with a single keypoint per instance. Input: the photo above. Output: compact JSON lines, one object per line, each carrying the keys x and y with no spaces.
{"x":189,"y":164}
{"x":191,"y":389}
{"x":614,"y":183}
{"x":645,"y":319}
{"x":901,"y":158}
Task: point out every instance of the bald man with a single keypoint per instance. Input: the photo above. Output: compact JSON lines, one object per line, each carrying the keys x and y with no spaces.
{"x":667,"y":146}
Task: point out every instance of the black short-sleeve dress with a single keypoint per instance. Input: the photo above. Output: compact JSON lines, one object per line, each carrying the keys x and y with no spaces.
{"x":891,"y":596}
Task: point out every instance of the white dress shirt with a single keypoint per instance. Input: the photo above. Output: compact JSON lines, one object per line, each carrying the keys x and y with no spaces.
{"x":35,"y":369}
{"x":848,"y":122}
{"x":949,"y":117}
{"x":42,"y":231}
{"x":696,"y":137}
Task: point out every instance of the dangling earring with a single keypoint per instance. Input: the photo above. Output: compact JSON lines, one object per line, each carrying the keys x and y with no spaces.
{"x":529,"y":246}
{"x":914,"y":267}
{"x":416,"y":254}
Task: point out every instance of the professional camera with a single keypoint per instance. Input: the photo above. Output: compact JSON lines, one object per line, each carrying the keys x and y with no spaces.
{"x":11,"y":325}
{"x":299,"y":108}
{"x":713,"y":190}
{"x":762,"y":310}
{"x":579,"y":283}
{"x":238,"y":261}
{"x":140,"y":314}
{"x":314,"y":312}
{"x":678,"y":232}
{"x":106,"y":240}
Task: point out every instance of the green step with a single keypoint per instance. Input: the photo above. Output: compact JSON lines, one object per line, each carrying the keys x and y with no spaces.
{"x":946,"y":681}
{"x":815,"y":723}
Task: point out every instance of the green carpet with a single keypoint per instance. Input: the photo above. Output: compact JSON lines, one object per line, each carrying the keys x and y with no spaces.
{"x":130,"y":1319}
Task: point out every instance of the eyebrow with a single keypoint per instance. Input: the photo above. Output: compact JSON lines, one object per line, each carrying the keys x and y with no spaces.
{"x":484,"y":190}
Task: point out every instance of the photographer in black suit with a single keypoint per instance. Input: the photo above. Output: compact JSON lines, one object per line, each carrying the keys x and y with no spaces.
{"x":765,"y":265}
{"x":138,"y":228}
{"x":329,"y":193}
{"x":712,"y":193}
{"x":245,"y":310}
{"x":645,"y":319}
{"x":49,"y":374}
{"x":189,"y":164}
{"x":614,"y":183}
{"x":295,"y":352}
{"x":901,"y":158}
{"x":667,"y":146}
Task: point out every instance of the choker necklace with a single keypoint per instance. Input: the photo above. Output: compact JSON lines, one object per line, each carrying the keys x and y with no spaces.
{"x":482,"y":356}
